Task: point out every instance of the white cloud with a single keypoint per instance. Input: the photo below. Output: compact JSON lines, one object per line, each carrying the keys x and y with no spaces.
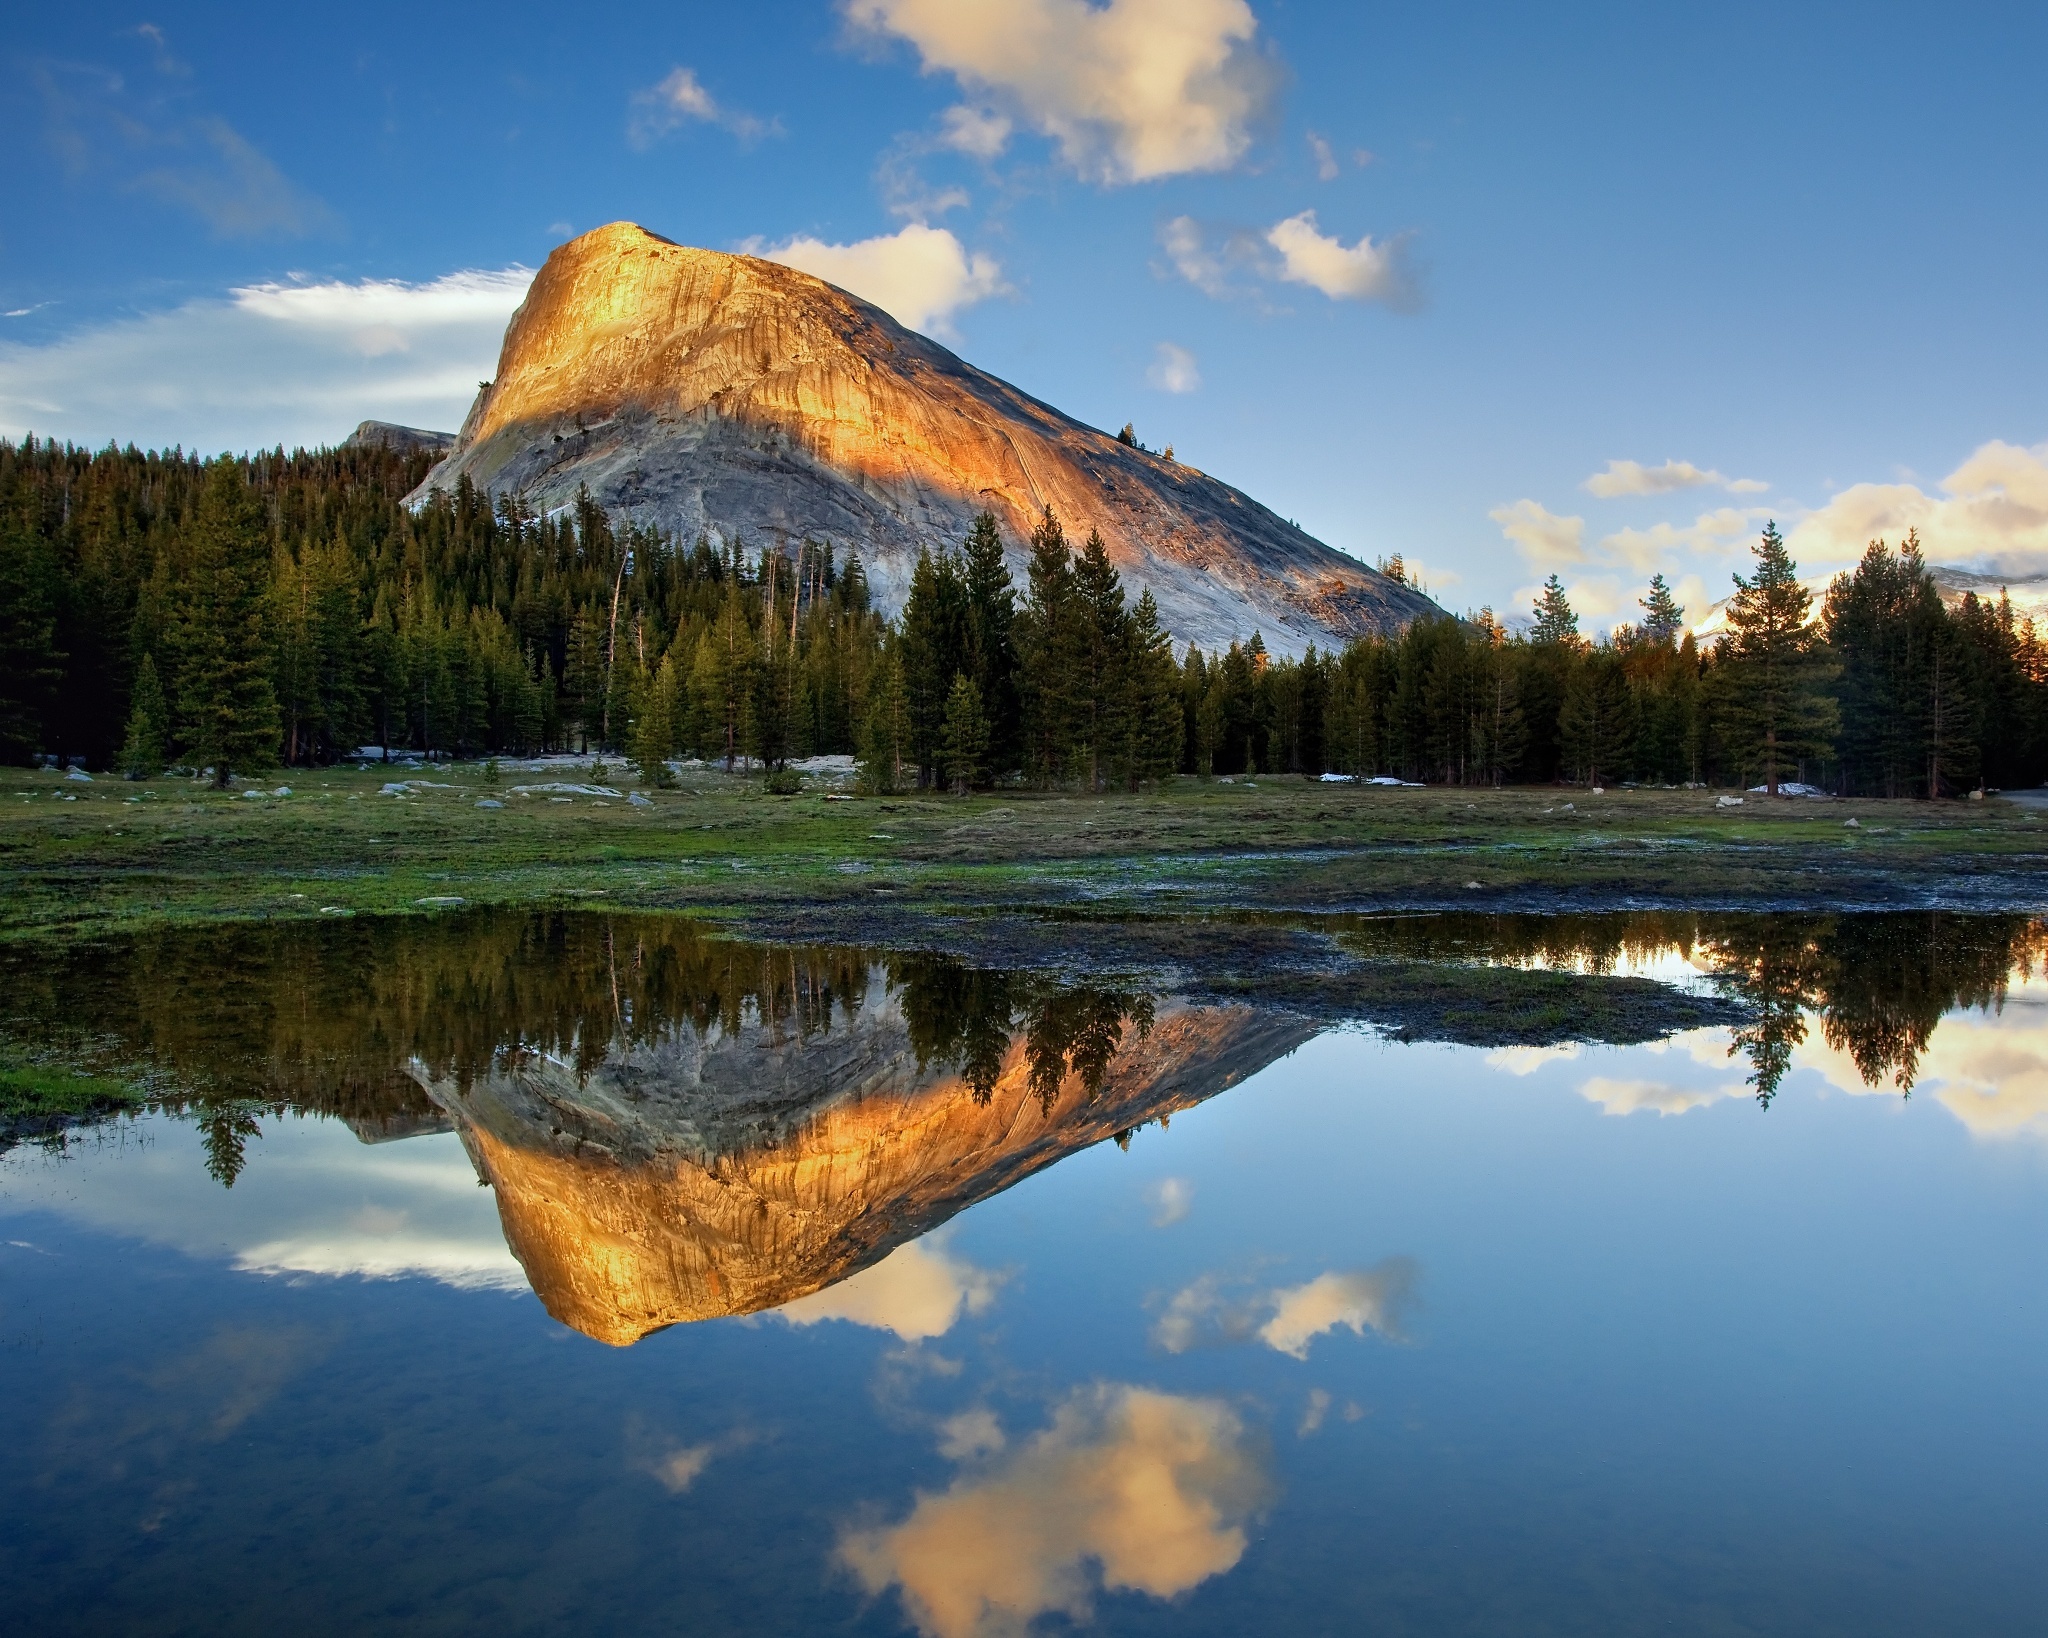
{"x":678,"y":1470}
{"x":1628,"y":1097}
{"x":1186,"y":246}
{"x":1131,"y":90}
{"x":1363,"y":1299}
{"x":918,"y":1291}
{"x":291,"y":363}
{"x":920,"y":275}
{"x":1544,"y":538}
{"x":1173,"y":369}
{"x":1171,"y":1199}
{"x":313,"y":1200}
{"x":1991,"y":513}
{"x":1718,"y":533}
{"x":1151,"y":1488}
{"x":1633,"y":478}
{"x":1365,"y":271}
{"x":1325,"y":157}
{"x":1209,"y":1312}
{"x":679,"y":98}
{"x":974,"y":131}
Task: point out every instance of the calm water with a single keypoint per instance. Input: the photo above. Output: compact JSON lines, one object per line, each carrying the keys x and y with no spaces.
{"x":826,"y":1291}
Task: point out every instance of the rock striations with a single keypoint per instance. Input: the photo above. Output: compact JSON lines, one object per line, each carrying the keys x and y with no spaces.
{"x":726,"y":395}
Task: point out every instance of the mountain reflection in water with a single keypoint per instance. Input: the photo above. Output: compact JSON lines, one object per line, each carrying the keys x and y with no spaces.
{"x":678,"y":1127}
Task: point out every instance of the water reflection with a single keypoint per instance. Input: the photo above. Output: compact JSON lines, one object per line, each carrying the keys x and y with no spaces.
{"x":678,"y":1127}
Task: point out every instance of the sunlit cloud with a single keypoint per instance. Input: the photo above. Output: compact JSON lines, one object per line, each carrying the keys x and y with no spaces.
{"x":1210,"y":1311}
{"x":1991,"y":514}
{"x":921,"y":275}
{"x":918,"y":1291}
{"x":1366,"y":271}
{"x":1174,"y":369}
{"x":1542,"y":536}
{"x":1633,"y":478}
{"x":975,"y":132}
{"x":680,"y":99}
{"x":1151,"y":1490}
{"x":1129,"y":91}
{"x":1724,"y":532}
{"x":296,"y":363}
{"x":1361,"y":1300}
{"x":1629,"y":1097}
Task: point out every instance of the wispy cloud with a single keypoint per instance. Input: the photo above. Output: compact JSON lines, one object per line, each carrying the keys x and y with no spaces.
{"x":1633,"y":478}
{"x":277,"y":362}
{"x":1173,"y":369}
{"x":1327,"y":167}
{"x":151,"y":133}
{"x":680,"y":99}
{"x":1211,"y":1310}
{"x":1129,"y":91}
{"x":1542,"y":536}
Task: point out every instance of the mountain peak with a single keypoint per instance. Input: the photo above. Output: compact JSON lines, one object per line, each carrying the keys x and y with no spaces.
{"x":707,"y":393}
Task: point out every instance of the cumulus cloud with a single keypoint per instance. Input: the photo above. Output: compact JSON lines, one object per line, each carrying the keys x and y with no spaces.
{"x":1365,"y":271}
{"x":1364,"y":1299}
{"x":1991,"y":513}
{"x":293,"y":363}
{"x":918,"y":1291}
{"x":1131,"y":90}
{"x":1628,"y":1097}
{"x":1723,"y":532}
{"x":1543,"y":537}
{"x":1173,"y":369}
{"x":1152,"y":1489}
{"x":1633,"y":478}
{"x":921,"y":275}
{"x":678,"y":100}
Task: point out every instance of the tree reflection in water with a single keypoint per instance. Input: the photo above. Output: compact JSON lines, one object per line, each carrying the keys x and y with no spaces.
{"x":229,"y":1024}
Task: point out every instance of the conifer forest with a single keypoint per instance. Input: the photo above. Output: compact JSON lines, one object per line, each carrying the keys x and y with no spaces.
{"x":233,"y":615}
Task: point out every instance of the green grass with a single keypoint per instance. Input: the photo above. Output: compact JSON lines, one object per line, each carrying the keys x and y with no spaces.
{"x":37,"y":1092}
{"x":79,"y":858}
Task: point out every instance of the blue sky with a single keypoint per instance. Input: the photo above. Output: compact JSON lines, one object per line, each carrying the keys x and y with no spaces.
{"x":1722,"y":263}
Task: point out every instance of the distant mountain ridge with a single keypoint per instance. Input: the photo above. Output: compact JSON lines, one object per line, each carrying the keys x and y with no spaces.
{"x":704,"y":393}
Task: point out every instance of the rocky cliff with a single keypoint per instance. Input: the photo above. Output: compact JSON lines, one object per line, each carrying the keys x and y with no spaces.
{"x":730,"y":396}
{"x":720,"y":1174}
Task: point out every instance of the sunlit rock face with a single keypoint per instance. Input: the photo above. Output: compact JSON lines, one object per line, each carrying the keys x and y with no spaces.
{"x":726,"y":395}
{"x":725,"y":1173}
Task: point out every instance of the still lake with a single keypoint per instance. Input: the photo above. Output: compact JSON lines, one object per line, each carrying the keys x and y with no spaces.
{"x":533,"y":1273}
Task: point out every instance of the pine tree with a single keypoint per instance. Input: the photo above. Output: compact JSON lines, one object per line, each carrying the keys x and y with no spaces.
{"x":146,"y":748}
{"x":1773,"y":670}
{"x":1048,"y":651}
{"x":934,"y":651}
{"x":1155,"y":712}
{"x":1556,"y":621}
{"x":1102,"y":684}
{"x":884,"y":727}
{"x":227,"y":710}
{"x":964,"y":742}
{"x":1594,"y":726}
{"x":654,"y":724}
{"x":1663,"y":619}
{"x":31,"y":667}
{"x":1884,"y":623}
{"x":991,"y":641}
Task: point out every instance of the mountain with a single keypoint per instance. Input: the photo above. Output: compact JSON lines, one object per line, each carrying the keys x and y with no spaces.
{"x":734,"y":397}
{"x":405,"y":440}
{"x":721,"y":1172}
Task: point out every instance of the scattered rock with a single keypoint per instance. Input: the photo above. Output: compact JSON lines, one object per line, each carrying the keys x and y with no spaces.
{"x":640,"y":801}
{"x":1853,"y":824}
{"x":78,"y":774}
{"x":1727,"y":801}
{"x":439,"y":901}
{"x":489,"y":802}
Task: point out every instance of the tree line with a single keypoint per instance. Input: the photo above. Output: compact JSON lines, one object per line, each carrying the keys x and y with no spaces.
{"x":159,"y":610}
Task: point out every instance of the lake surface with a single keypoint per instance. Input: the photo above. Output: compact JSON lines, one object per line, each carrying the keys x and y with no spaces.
{"x":489,"y":1274}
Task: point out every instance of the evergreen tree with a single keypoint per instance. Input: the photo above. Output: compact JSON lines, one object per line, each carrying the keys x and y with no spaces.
{"x":1884,"y":624}
{"x":885,"y":727}
{"x":146,"y":749}
{"x":1102,"y":687}
{"x":991,"y":641}
{"x":31,"y":667}
{"x":1663,"y":619}
{"x":1049,"y":650}
{"x":1594,"y":726}
{"x":227,"y":711}
{"x":965,"y":736}
{"x":654,"y":723}
{"x":934,"y":652}
{"x":1556,"y":621}
{"x":1157,"y":719}
{"x":1773,"y":670}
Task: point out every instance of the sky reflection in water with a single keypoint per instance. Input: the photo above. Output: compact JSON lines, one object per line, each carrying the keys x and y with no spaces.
{"x":1383,"y":1337}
